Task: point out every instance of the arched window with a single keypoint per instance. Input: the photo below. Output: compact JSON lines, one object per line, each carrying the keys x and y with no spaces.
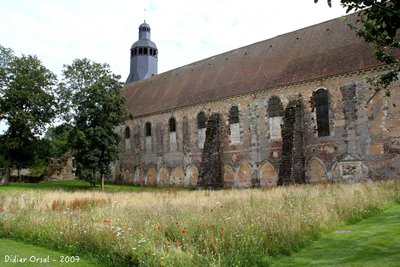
{"x":322,"y":110}
{"x":234,"y":125}
{"x":201,"y":120}
{"x":136,"y":137}
{"x":147,"y":129}
{"x":172,"y":125}
{"x":234,"y":115}
{"x":274,"y":107}
{"x":127,"y":132}
{"x":145,"y":50}
{"x":140,"y":51}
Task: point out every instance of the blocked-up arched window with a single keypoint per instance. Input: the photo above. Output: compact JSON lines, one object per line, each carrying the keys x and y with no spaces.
{"x":234,"y":115}
{"x":234,"y":125}
{"x":136,"y":138}
{"x":201,"y":120}
{"x":147,"y":129}
{"x":172,"y":125}
{"x":127,"y":132}
{"x":274,"y":115}
{"x":322,"y":111}
{"x":274,"y":107}
{"x":201,"y":129}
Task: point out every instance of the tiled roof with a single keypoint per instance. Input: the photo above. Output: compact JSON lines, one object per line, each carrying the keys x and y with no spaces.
{"x":326,"y":49}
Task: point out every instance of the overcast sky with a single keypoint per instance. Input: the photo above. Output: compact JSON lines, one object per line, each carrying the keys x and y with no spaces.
{"x":59,"y":31}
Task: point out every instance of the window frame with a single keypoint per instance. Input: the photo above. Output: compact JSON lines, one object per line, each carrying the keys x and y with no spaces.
{"x":172,"y":125}
{"x":275,"y":107}
{"x":201,"y":120}
{"x":147,"y":129}
{"x":127,"y":132}
{"x":234,"y":115}
{"x":321,"y":100}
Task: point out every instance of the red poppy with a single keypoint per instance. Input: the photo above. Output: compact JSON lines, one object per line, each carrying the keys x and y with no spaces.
{"x":106,"y":221}
{"x":167,"y":244}
{"x":222,"y":229}
{"x":158,"y":228}
{"x":179,"y":244}
{"x":184,"y":231}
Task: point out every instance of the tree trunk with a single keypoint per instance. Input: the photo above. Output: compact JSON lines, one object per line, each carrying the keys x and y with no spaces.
{"x":5,"y":177}
{"x":102,"y":182}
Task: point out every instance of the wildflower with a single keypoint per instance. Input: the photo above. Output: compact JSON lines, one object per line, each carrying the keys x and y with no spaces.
{"x":167,"y":244}
{"x":213,"y":226}
{"x":106,"y":221}
{"x":221,"y":206}
{"x":179,"y":244}
{"x":158,"y":228}
{"x":184,"y":231}
{"x":222,"y":229}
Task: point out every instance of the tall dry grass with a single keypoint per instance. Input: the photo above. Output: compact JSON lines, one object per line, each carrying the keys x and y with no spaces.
{"x":196,"y":228}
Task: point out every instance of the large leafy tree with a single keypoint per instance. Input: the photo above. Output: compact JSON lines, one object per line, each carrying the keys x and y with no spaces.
{"x":6,"y":56}
{"x":27,"y":106}
{"x":57,"y":138}
{"x":379,"y":24}
{"x":92,"y":99}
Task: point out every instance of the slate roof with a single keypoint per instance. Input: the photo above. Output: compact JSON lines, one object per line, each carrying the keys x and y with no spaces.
{"x":326,"y":49}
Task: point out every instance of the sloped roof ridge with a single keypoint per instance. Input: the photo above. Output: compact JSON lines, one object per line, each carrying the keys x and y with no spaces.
{"x":252,"y":44}
{"x":325,"y":49}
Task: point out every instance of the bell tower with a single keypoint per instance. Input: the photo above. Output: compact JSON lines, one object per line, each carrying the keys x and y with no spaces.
{"x":144,"y":56}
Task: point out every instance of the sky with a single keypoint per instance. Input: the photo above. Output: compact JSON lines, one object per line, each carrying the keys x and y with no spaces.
{"x":59,"y":31}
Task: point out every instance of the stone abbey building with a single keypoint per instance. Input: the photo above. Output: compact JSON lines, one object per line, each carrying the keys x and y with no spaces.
{"x":291,"y":109}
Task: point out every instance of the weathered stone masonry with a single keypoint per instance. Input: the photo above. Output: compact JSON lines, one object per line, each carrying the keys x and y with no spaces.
{"x":291,"y":109}
{"x":349,"y":152}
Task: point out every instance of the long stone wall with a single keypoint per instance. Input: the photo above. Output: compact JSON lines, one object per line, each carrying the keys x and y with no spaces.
{"x":363,"y":140}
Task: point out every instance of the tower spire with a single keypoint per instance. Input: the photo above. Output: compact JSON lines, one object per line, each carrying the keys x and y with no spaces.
{"x":144,"y":56}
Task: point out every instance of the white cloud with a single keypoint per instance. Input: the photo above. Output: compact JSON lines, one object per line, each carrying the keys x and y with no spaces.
{"x":184,"y":31}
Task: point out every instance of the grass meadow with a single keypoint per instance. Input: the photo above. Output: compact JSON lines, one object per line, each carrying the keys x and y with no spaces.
{"x":171,"y":227}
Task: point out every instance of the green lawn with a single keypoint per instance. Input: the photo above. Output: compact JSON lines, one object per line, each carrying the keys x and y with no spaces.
{"x":78,"y":185}
{"x":371,"y":242}
{"x":14,"y":253}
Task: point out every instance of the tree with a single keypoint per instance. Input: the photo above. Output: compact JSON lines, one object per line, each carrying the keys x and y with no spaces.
{"x":27,"y":106}
{"x":6,"y":56}
{"x":380,"y":23}
{"x":92,"y":99}
{"x":57,"y":138}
